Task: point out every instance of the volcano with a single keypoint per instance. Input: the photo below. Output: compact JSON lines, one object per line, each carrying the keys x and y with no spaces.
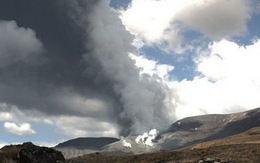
{"x":180,"y":134}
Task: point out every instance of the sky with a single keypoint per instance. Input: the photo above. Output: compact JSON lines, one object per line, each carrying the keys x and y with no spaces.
{"x":92,"y":68}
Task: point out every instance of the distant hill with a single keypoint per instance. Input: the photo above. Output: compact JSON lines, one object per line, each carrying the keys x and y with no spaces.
{"x":81,"y":146}
{"x":90,"y":143}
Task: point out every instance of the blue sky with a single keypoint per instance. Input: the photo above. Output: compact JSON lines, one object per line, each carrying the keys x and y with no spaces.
{"x":184,"y":63}
{"x":205,"y":39}
{"x":200,"y":56}
{"x":119,"y":4}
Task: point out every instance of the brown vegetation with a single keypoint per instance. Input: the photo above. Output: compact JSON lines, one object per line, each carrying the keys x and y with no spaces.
{"x":251,"y":136}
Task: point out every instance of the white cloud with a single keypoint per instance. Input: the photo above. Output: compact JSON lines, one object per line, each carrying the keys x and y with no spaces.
{"x":85,"y":106}
{"x":229,"y":81}
{"x":17,"y":44}
{"x":45,"y":144}
{"x":152,"y":67}
{"x":151,"y":20}
{"x":21,"y":130}
{"x":228,"y":74}
{"x":5,"y":116}
{"x":216,"y":18}
{"x":72,"y":126}
{"x":228,"y":60}
{"x":157,"y":21}
{"x":13,"y":113}
{"x":69,"y":126}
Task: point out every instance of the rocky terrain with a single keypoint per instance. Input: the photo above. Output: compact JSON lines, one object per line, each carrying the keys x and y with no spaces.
{"x":192,"y":130}
{"x":29,"y":153}
{"x":248,"y":153}
{"x":183,"y":133}
{"x":241,"y":148}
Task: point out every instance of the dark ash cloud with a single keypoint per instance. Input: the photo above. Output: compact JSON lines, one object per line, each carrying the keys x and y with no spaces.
{"x":82,"y":69}
{"x":27,"y":46}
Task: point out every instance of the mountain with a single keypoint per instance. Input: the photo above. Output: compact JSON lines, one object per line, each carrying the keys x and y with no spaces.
{"x":240,"y":148}
{"x":81,"y":146}
{"x":90,"y":143}
{"x":182,"y":133}
{"x":192,"y":130}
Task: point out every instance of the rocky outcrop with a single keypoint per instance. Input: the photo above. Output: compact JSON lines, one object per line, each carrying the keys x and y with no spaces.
{"x":30,"y":153}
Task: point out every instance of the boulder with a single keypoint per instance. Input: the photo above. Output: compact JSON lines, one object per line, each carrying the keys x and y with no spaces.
{"x":30,"y":153}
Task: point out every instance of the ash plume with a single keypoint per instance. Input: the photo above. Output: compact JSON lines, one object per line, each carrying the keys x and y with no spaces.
{"x":79,"y":65}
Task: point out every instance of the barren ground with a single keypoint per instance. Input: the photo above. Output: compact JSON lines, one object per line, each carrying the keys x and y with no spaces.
{"x":242,"y":148}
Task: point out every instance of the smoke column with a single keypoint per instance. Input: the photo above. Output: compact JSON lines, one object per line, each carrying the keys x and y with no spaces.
{"x":79,"y":66}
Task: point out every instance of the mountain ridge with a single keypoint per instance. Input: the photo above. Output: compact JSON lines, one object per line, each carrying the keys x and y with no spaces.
{"x":182,"y":133}
{"x":92,"y":142}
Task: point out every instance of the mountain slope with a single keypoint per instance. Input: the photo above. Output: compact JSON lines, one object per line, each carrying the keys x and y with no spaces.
{"x":192,"y":130}
{"x":89,"y":143}
{"x":81,"y":146}
{"x":251,"y":136}
{"x":182,"y":133}
{"x":241,"y":148}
